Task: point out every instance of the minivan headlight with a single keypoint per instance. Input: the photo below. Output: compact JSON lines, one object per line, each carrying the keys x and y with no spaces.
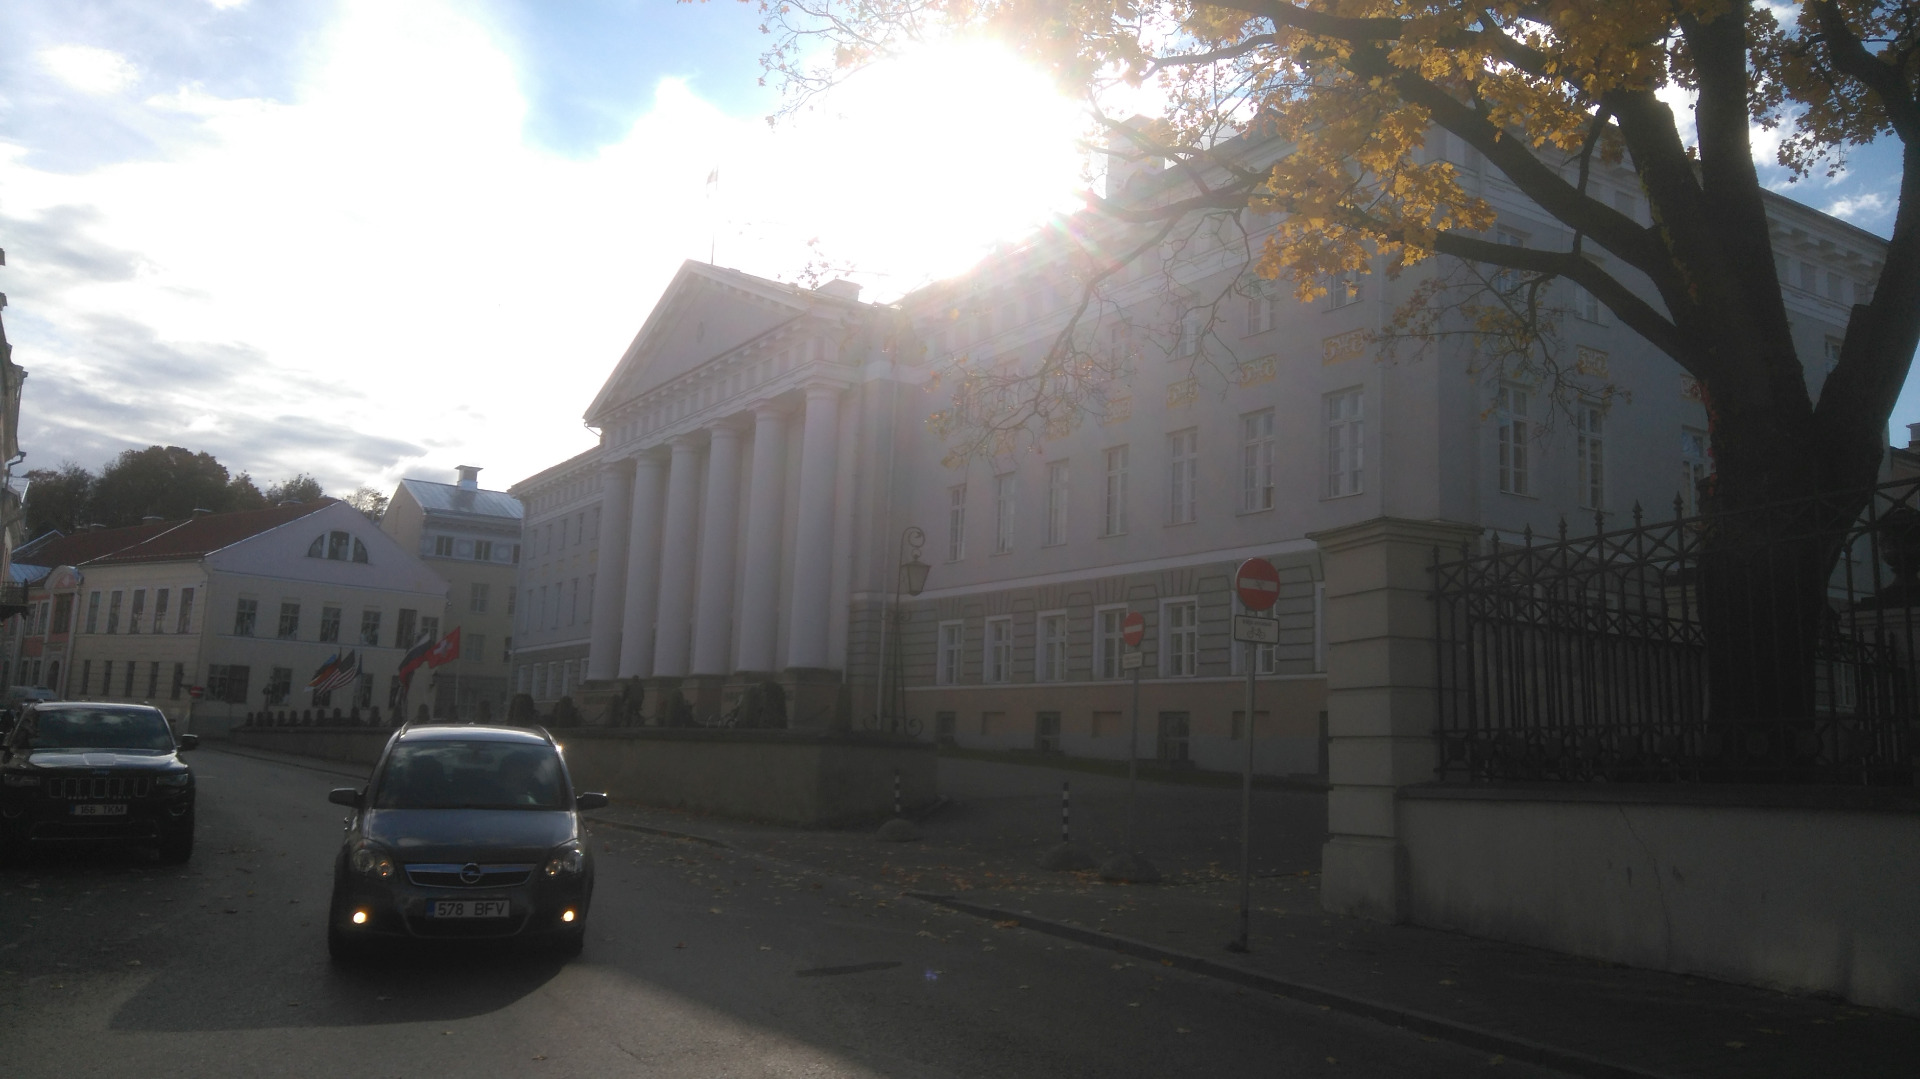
{"x":567,"y":859}
{"x":370,"y":861}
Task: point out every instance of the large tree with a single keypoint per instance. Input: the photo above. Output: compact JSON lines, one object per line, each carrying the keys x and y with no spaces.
{"x":162,"y":481}
{"x":1544,"y":91}
{"x":58,"y":498}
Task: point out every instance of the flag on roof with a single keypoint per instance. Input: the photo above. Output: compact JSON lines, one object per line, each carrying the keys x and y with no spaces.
{"x":446,"y":651}
{"x":416,"y":655}
{"x":325,"y":669}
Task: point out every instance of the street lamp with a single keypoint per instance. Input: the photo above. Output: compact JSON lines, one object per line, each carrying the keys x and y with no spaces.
{"x":911,"y":579}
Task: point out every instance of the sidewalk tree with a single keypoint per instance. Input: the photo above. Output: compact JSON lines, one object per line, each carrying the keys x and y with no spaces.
{"x":1544,"y":92}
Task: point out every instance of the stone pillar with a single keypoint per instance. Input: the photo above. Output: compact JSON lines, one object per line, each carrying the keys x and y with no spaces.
{"x":674,"y":624}
{"x":813,"y":539}
{"x":610,"y":573}
{"x":766,"y":505}
{"x":712,"y":646}
{"x":1380,"y":701}
{"x":642,"y":567}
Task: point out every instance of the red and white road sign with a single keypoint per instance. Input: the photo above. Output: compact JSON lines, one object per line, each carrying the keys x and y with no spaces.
{"x":1132,"y":628}
{"x":1258,"y":584}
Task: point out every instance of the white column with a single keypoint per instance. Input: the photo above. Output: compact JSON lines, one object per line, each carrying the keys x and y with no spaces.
{"x":610,"y":573}
{"x":719,"y":514}
{"x":813,"y":539}
{"x":673,"y":626}
{"x":642,"y":571}
{"x":766,"y":498}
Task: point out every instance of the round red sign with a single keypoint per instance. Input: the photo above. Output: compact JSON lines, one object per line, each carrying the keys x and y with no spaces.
{"x":1132,"y":628}
{"x":1258,"y":584}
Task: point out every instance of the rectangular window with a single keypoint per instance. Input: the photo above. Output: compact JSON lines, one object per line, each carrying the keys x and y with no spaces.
{"x":1512,"y":432}
{"x":106,"y":678}
{"x":1345,"y":427}
{"x":1592,"y":456}
{"x":1107,"y":644}
{"x":289,"y":620}
{"x":228,"y":684}
{"x":63,"y":613}
{"x":1695,"y":466}
{"x":1052,"y":658}
{"x":483,"y":550}
{"x":1346,"y":289}
{"x":279,"y":685}
{"x":113,"y":612}
{"x":1046,"y":732}
{"x":330,"y":624}
{"x":86,"y":677}
{"x":137,"y":611}
{"x":475,"y":646}
{"x":947,"y":657}
{"x":93,"y":612}
{"x":403,"y":628}
{"x":429,"y":629}
{"x":1259,"y":311}
{"x":364,"y":697}
{"x":1183,"y":476}
{"x":1505,"y":280}
{"x":1114,"y":519}
{"x":186,"y":610}
{"x":245,"y":613}
{"x":573,"y":600}
{"x":956,"y":522}
{"x":160,"y":610}
{"x":999,"y":651}
{"x":179,"y":681}
{"x":370,"y":628}
{"x":1056,"y":503}
{"x":1256,"y":461}
{"x":1180,"y":657}
{"x":443,"y":546}
{"x":477,"y":597}
{"x":1003,"y":495}
{"x":126,"y":688}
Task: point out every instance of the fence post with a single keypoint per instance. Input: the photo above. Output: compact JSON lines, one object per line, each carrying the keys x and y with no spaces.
{"x":1381,"y":707}
{"x":1066,"y":813}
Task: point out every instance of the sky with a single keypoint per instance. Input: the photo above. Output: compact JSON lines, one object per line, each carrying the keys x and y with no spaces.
{"x":368,"y":239}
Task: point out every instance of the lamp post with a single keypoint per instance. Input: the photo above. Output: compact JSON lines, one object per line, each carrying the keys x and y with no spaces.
{"x":910,"y":579}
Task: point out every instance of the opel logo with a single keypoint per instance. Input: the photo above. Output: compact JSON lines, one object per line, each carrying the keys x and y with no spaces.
{"x":470,"y":874}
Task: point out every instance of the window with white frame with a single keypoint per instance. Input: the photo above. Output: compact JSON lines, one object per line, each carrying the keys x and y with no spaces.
{"x":1051,"y":660}
{"x":1186,"y":335}
{"x":1591,"y":452}
{"x":1180,"y":656}
{"x":1256,"y":461}
{"x":999,"y":650}
{"x":1114,"y":521}
{"x":1183,"y":476}
{"x":956,"y":522}
{"x":1695,"y":466}
{"x":947,"y":653}
{"x":1345,"y":428}
{"x":1513,"y":432}
{"x":1505,"y":280}
{"x":1107,"y":643}
{"x":1056,"y":503}
{"x":1587,"y":306}
{"x":1003,"y":505}
{"x":1259,"y":310}
{"x":1346,"y":289}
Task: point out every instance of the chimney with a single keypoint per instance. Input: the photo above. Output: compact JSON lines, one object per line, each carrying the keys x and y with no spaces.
{"x":469,"y":477}
{"x":1913,"y":437}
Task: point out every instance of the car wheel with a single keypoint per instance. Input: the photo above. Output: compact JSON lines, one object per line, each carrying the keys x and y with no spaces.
{"x":176,"y":844}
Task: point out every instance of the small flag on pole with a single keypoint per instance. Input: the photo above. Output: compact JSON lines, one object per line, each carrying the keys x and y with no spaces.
{"x":446,"y":651}
{"x":416,"y":655}
{"x":325,"y":669}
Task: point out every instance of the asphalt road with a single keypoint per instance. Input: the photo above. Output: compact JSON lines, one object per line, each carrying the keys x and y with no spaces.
{"x":699,"y":962}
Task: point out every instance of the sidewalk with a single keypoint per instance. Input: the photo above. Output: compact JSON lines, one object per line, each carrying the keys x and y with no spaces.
{"x":979,"y":855}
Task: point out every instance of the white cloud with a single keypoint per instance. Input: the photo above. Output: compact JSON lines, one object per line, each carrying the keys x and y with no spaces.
{"x":226,"y":5}
{"x":1870,"y":204}
{"x":88,"y":69}
{"x":390,"y":256}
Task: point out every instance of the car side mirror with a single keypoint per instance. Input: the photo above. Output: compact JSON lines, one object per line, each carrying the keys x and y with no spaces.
{"x":188,"y":741}
{"x":590,"y":800}
{"x":344,"y":796}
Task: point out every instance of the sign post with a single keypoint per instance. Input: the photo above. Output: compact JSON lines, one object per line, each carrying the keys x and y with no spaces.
{"x":1258,"y":585}
{"x":1133,"y":629}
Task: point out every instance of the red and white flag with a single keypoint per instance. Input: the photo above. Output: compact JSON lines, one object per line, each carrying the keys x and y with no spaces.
{"x":445,"y":650}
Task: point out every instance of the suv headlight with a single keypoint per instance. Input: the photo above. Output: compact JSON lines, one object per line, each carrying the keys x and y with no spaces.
{"x":567,"y":859}
{"x":370,"y":861}
{"x":18,"y":780}
{"x":173,"y":779}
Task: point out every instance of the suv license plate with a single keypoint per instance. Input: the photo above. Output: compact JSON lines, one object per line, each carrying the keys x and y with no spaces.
{"x":95,"y":809}
{"x":469,"y":908}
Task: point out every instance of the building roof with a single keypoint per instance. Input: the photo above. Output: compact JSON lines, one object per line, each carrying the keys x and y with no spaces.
{"x":61,"y":549}
{"x":451,"y":498}
{"x":166,"y":541}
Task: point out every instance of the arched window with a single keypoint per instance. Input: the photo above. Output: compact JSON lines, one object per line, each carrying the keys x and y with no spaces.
{"x":338,"y":546}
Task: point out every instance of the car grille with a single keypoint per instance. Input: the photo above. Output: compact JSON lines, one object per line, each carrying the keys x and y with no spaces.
{"x":98,"y":788}
{"x":452,"y":875}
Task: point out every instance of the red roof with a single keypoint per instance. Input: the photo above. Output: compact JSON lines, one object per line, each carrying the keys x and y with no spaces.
{"x":88,"y":545}
{"x":198,"y":536}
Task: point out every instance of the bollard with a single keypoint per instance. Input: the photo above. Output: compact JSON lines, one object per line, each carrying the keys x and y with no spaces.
{"x":896,"y":792}
{"x":1066,"y":856}
{"x":1066,"y":812}
{"x":899,"y":829}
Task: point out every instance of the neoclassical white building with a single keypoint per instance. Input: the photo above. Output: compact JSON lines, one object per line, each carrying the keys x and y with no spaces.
{"x":765,"y":449}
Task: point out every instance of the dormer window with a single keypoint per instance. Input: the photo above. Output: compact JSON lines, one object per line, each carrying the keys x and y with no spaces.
{"x":338,"y":546}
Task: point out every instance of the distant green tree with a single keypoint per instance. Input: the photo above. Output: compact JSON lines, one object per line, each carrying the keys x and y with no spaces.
{"x":167,"y":481}
{"x":368,"y":501}
{"x":58,"y":498}
{"x":241,"y":495}
{"x":301,"y":488}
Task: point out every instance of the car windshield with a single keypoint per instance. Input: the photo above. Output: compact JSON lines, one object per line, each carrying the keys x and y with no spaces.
{"x":470,"y":774}
{"x":99,"y":728}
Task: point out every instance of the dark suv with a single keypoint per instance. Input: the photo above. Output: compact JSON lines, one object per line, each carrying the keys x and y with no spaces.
{"x":463,"y":832}
{"x":77,"y":772}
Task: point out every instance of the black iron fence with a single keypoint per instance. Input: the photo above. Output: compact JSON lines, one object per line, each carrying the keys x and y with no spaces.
{"x":1775,"y":644}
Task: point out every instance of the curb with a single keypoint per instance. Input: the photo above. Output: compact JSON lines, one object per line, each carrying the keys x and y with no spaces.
{"x":665,"y":833}
{"x":1473,"y":1037}
{"x":291,"y":760}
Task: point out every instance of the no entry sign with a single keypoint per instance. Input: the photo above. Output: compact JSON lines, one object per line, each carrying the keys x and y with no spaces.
{"x":1134,"y":626}
{"x":1258,"y":584}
